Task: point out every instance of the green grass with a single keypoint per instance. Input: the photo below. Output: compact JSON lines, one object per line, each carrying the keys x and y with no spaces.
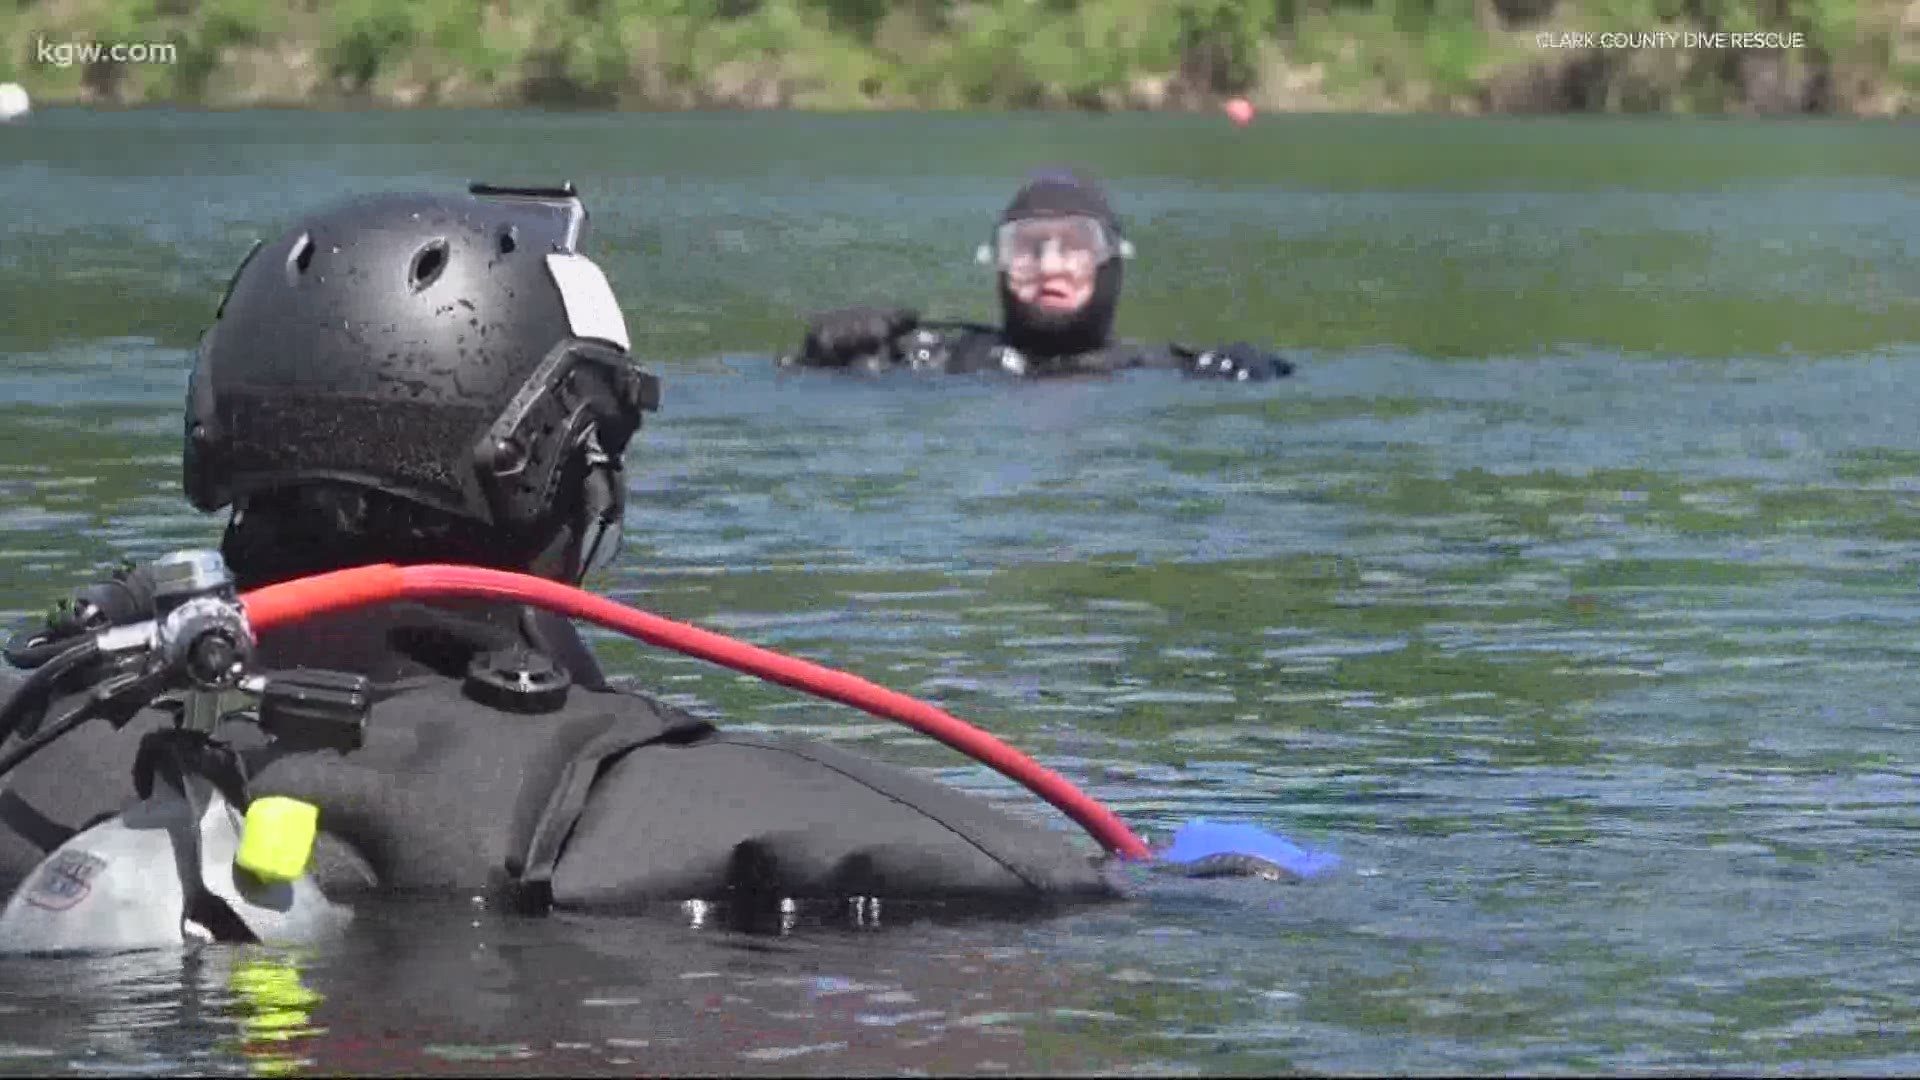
{"x":852,"y":54}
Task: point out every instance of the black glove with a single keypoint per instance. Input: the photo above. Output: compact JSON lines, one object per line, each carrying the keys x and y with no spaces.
{"x":1239,"y":362}
{"x":841,"y":337}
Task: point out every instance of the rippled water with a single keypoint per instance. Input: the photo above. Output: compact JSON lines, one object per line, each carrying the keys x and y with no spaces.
{"x":1585,"y":646}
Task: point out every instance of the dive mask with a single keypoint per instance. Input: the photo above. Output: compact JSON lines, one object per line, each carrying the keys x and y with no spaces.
{"x":1075,"y":243}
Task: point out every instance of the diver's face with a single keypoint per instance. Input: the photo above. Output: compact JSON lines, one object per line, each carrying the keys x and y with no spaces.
{"x":1051,"y":263}
{"x":1053,"y":283}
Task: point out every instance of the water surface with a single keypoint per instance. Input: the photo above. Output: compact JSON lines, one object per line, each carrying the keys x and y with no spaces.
{"x":1567,"y":592}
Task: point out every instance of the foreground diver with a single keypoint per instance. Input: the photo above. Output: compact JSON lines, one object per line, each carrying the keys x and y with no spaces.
{"x":1058,"y":255}
{"x":421,"y":379}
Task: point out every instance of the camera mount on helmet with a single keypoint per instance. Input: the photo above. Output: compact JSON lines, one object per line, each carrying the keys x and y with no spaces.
{"x":562,"y":196}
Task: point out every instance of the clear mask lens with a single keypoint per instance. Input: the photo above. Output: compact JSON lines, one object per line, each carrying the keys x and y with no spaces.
{"x":1072,"y":245}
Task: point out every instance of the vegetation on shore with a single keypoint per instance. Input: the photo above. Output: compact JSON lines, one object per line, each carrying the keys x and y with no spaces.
{"x":1857,"y":57}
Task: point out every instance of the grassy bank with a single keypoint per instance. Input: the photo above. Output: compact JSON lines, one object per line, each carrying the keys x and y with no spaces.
{"x":1858,"y":57}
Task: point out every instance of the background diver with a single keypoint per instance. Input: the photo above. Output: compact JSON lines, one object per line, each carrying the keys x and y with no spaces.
{"x":1058,"y":252}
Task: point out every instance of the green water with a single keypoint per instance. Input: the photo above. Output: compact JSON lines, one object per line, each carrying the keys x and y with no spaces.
{"x":1567,"y":592}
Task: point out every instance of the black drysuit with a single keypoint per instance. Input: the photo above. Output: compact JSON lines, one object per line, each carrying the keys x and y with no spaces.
{"x":611,"y":799}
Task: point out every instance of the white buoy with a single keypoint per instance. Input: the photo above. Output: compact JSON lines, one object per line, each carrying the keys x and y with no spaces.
{"x":13,"y":101}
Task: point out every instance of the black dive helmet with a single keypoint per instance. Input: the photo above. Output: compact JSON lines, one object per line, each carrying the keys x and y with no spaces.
{"x":1063,"y":193}
{"x":453,"y":352}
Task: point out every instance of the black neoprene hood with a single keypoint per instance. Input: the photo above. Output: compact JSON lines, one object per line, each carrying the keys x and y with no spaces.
{"x":1056,"y":193}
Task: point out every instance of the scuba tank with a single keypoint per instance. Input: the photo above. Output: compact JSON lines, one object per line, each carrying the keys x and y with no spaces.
{"x":182,"y":864}
{"x":157,"y":876}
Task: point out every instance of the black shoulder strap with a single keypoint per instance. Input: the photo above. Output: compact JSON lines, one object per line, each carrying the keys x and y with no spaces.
{"x":536,"y":851}
{"x":539,"y":837}
{"x":26,"y":819}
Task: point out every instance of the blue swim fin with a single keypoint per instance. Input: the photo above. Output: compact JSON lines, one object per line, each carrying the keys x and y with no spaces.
{"x":1205,"y":848}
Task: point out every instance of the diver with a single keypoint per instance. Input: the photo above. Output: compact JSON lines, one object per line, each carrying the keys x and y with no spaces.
{"x":1058,"y":253}
{"x":417,"y":378}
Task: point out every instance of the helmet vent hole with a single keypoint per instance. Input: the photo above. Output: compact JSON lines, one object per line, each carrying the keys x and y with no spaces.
{"x":428,"y":262}
{"x":507,"y":240}
{"x":301,"y":256}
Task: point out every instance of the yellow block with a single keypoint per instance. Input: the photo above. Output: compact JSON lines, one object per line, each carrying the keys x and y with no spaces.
{"x":278,"y":838}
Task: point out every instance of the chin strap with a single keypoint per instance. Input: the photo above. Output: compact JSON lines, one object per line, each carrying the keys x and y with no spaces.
{"x":590,"y":537}
{"x":603,"y":505}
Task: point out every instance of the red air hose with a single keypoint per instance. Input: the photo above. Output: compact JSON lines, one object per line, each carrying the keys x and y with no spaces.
{"x":280,"y":605}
